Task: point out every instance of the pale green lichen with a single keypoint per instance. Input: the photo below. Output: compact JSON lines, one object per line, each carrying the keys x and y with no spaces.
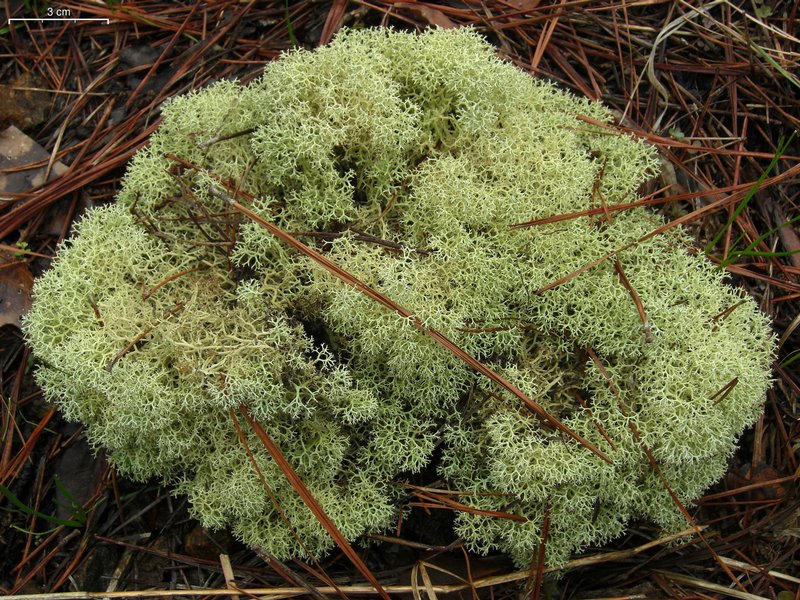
{"x":434,"y":145}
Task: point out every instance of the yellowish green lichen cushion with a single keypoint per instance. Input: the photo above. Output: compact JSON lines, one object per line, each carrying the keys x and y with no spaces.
{"x":405,"y":159}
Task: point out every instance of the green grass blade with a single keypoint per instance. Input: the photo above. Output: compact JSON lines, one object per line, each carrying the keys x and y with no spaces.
{"x":790,"y":359}
{"x":750,"y":249}
{"x":763,"y":54}
{"x":782,"y":145}
{"x":29,"y":511}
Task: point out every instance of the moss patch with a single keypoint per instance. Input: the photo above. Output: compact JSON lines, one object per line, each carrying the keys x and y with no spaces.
{"x":435,"y":147}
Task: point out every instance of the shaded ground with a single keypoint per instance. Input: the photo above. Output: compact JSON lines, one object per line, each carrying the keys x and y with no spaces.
{"x":715,"y":88}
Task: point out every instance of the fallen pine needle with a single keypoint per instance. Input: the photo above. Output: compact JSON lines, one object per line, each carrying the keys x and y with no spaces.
{"x":365,"y":589}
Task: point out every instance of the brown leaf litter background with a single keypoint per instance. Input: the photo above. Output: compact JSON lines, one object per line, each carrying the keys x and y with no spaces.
{"x":715,"y":85}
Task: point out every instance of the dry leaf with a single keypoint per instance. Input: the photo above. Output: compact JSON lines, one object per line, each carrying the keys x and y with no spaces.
{"x":431,"y":15}
{"x":16,"y":282}
{"x":18,"y":150}
{"x":25,"y":103}
{"x":526,"y":5}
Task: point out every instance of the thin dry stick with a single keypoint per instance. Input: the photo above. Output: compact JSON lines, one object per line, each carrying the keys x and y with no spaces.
{"x":361,"y":237}
{"x":708,"y":585}
{"x":438,"y":337}
{"x":221,"y":138}
{"x":286,"y":592}
{"x":438,"y":491}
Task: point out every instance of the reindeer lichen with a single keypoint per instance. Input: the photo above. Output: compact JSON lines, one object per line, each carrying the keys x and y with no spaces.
{"x":406,"y":160}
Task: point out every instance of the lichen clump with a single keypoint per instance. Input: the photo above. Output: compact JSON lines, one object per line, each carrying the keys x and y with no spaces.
{"x":404,"y":159}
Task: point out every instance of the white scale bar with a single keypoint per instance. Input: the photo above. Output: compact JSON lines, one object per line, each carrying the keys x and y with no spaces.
{"x":108,"y":21}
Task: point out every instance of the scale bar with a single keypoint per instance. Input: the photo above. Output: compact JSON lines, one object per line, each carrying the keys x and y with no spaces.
{"x":108,"y":21}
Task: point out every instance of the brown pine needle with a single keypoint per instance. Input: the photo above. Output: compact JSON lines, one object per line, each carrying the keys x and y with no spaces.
{"x":147,"y":294}
{"x":597,"y":192}
{"x":657,"y":470}
{"x":597,"y":423}
{"x":438,"y":337}
{"x":311,"y":502}
{"x":725,"y":313}
{"x":264,"y":481}
{"x":441,"y":501}
{"x":749,"y":488}
{"x":648,"y":336}
{"x":723,"y":392}
{"x":12,"y":469}
{"x":538,"y":577}
{"x":688,"y":218}
{"x":283,"y":592}
{"x":737,"y":192}
{"x":175,"y":309}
